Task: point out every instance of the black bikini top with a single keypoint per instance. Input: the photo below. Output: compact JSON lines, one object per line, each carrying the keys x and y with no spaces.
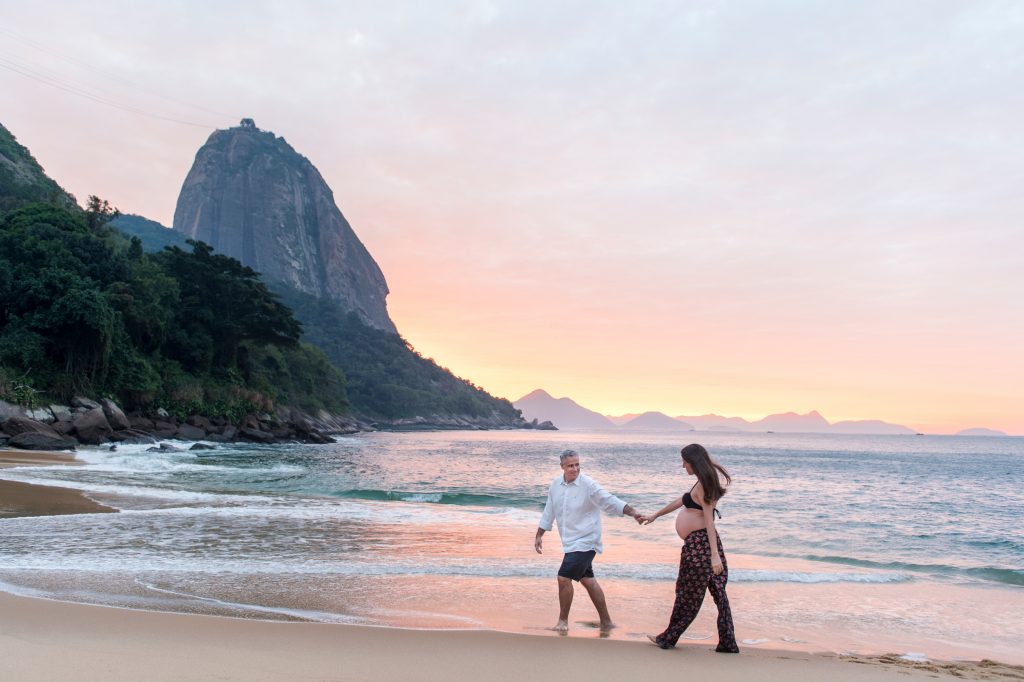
{"x":691,"y":503}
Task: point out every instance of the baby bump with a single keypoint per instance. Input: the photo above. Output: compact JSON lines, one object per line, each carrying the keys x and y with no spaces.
{"x":689,"y":520}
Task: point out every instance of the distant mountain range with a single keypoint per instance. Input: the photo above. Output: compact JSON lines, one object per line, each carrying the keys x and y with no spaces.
{"x":565,"y":413}
{"x":560,"y":411}
{"x":657,"y":421}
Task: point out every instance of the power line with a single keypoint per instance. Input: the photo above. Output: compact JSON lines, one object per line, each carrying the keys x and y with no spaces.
{"x":52,"y":82}
{"x":117,"y":77}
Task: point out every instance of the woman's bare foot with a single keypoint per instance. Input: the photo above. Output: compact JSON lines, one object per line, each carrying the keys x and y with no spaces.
{"x":655,"y":642}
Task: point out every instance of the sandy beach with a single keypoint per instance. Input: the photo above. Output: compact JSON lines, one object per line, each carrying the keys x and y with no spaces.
{"x":45,"y":640}
{"x":22,"y":499}
{"x":14,"y":458}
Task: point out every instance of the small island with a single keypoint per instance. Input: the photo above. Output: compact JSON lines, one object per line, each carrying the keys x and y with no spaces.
{"x":980,"y":432}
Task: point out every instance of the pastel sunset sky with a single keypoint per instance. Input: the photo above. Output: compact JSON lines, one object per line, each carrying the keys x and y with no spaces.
{"x":731,"y":207}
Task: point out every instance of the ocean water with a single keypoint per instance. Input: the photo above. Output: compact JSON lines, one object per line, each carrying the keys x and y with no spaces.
{"x":840,"y":543}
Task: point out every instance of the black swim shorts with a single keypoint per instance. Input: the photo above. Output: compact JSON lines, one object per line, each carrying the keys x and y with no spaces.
{"x":577,"y":565}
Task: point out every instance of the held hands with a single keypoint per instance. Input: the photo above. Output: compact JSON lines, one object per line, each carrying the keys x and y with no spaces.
{"x":640,"y":518}
{"x":644,"y":519}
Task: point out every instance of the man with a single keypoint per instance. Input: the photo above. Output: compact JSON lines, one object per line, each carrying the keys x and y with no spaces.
{"x":575,"y":501}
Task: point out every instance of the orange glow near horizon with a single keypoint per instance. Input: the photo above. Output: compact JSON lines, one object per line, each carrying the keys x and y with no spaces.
{"x":622,"y":362}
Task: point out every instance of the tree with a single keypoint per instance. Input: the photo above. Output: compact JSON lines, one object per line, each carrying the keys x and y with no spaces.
{"x":84,"y":310}
{"x":223,"y":304}
{"x":55,"y":321}
{"x":99,"y":212}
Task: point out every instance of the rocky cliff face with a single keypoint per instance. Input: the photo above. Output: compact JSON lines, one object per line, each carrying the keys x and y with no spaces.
{"x":251,"y":196}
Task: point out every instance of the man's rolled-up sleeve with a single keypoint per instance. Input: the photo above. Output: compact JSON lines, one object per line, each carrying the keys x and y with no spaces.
{"x":606,"y":501}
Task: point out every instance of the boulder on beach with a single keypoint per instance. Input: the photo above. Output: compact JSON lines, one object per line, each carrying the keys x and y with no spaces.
{"x":61,"y":413}
{"x":115,"y":417}
{"x":200,"y":422}
{"x":256,"y":435}
{"x":189,"y":432}
{"x":42,"y":414}
{"x":162,"y":429}
{"x":19,"y":424}
{"x":84,"y":403}
{"x":34,"y":440}
{"x":91,"y":426}
{"x":10,"y":410}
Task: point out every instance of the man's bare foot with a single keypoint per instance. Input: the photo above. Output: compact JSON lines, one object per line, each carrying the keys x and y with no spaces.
{"x":561,"y":626}
{"x":608,"y":627}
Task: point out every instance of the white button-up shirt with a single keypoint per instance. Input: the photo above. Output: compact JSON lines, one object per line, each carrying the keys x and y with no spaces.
{"x":577,"y":508}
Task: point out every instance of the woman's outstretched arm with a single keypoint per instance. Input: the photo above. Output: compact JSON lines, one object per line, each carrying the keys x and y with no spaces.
{"x":667,"y":509}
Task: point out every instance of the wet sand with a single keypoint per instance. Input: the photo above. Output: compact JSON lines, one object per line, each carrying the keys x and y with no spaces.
{"x":45,"y":640}
{"x":15,"y":458}
{"x":23,"y":499}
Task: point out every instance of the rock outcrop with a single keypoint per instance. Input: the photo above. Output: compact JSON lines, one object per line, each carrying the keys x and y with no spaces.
{"x":251,"y":196}
{"x":83,"y":424}
{"x":42,"y":441}
{"x":30,"y":434}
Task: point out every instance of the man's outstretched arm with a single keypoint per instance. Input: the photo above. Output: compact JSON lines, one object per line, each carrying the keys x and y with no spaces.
{"x":611,"y":504}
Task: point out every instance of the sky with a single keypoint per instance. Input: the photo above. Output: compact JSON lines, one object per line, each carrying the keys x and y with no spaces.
{"x":739,"y":208}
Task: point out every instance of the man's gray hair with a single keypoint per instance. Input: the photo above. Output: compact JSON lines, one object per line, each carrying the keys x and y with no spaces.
{"x":566,"y":454}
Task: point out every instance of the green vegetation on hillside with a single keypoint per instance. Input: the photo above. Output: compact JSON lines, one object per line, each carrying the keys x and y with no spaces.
{"x":154,"y":236}
{"x":22,"y":180}
{"x":84,"y":310}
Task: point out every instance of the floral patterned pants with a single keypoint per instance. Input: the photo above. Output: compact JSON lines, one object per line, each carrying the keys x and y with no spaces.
{"x":696,"y":576}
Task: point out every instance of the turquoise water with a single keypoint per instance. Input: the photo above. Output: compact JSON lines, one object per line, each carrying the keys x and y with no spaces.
{"x":392,"y":521}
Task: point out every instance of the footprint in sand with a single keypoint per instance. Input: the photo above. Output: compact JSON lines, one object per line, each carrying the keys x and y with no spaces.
{"x":604,"y":633}
{"x":593,"y":624}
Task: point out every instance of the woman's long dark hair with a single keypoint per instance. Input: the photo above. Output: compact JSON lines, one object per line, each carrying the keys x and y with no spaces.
{"x":707,"y":471}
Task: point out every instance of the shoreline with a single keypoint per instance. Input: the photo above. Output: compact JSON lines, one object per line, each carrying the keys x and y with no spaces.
{"x":117,"y":643}
{"x":29,"y":499}
{"x":22,"y":458}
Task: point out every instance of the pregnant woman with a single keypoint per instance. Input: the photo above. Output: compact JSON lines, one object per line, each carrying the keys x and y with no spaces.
{"x":702,"y":565}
